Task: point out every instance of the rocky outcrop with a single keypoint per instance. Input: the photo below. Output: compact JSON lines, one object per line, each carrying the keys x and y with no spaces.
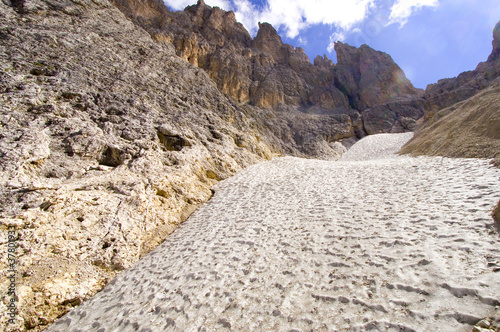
{"x":377,"y":86}
{"x":490,"y":324}
{"x":267,"y":73}
{"x":447,"y":92}
{"x":468,"y":129}
{"x":369,"y":77}
{"x":495,"y":53}
{"x":109,"y":141}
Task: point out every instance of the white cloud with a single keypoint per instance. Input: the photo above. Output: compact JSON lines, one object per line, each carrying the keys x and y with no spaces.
{"x":178,"y":4}
{"x":181,"y":4}
{"x":403,"y":9}
{"x":302,"y":41}
{"x":335,"y":37}
{"x":247,"y":14}
{"x":224,"y":4}
{"x":295,"y":15}
{"x":292,"y":16}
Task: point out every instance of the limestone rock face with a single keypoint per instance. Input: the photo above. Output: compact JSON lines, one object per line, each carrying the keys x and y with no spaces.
{"x":118,"y":118}
{"x":267,"y":73}
{"x":396,"y":116}
{"x":268,"y":41}
{"x":110,"y":138}
{"x":496,"y":44}
{"x":369,"y":77}
{"x":376,"y":86}
{"x":109,"y":141}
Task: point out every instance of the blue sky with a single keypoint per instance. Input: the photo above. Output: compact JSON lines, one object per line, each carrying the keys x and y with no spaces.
{"x":428,"y":39}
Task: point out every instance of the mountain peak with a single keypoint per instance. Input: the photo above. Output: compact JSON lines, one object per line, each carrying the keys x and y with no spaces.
{"x":268,"y":40}
{"x":495,"y":53}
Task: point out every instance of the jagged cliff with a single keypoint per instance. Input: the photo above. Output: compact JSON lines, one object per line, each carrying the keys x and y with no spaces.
{"x":365,"y":84}
{"x":109,"y":141}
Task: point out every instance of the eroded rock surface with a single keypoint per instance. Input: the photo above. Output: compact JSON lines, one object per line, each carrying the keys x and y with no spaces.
{"x":110,"y":139}
{"x":108,"y":142}
{"x":111,"y":136}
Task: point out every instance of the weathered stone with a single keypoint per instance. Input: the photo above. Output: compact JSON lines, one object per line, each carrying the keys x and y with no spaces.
{"x":111,"y":136}
{"x":106,"y":148}
{"x":490,"y":324}
{"x":369,"y":77}
{"x":495,"y":53}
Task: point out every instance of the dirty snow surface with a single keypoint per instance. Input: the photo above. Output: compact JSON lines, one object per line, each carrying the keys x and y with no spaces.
{"x":373,"y":242}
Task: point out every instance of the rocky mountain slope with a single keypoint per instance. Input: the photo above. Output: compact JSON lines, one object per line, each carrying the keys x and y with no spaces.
{"x":467,"y":129}
{"x":109,"y":141}
{"x":463,"y":113}
{"x":365,"y":84}
{"x":447,"y":92}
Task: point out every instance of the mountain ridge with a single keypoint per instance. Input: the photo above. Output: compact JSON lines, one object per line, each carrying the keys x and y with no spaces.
{"x":265,"y":72}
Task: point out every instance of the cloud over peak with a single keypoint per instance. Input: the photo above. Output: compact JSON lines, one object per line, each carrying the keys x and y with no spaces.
{"x":291,"y":16}
{"x":344,"y":17}
{"x":403,"y":9}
